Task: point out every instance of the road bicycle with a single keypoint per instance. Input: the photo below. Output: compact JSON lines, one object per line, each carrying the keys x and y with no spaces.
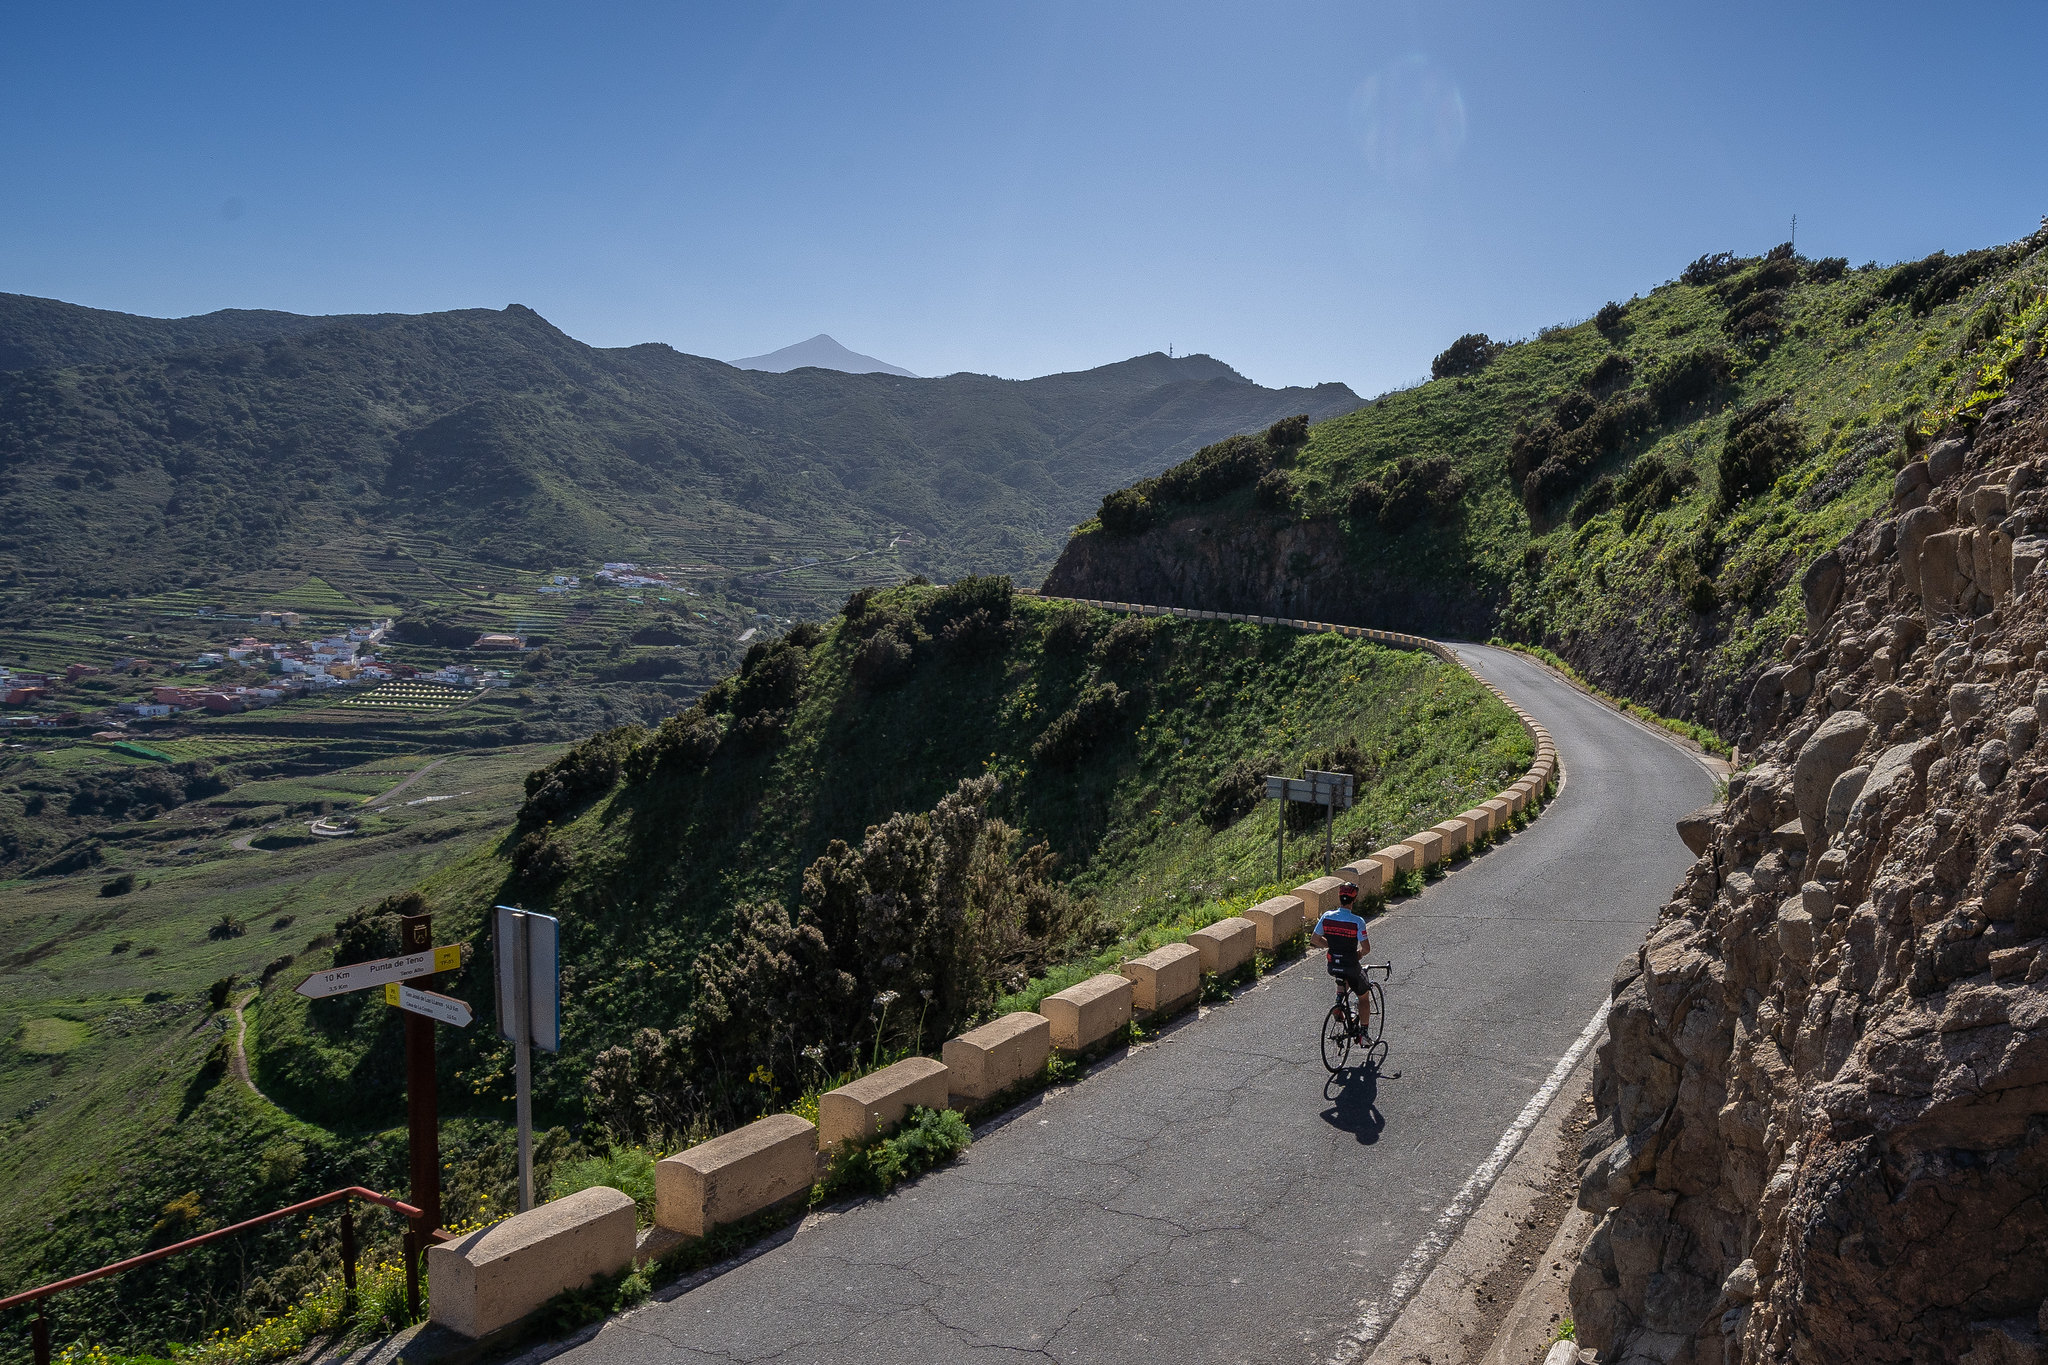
{"x":1341,"y":1031}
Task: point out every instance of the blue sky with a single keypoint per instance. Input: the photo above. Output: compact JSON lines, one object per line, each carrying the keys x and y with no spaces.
{"x":1307,"y":191}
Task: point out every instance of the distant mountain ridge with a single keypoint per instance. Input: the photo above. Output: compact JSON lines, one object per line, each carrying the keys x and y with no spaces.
{"x":139,"y":452}
{"x":820,"y":353}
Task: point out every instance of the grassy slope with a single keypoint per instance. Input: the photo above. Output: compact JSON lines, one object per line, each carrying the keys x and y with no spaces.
{"x":659,"y":863}
{"x":1855,"y":367}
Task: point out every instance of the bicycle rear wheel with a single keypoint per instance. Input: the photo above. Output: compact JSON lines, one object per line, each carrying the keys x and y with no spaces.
{"x":1336,"y":1039}
{"x":1376,"y":1022}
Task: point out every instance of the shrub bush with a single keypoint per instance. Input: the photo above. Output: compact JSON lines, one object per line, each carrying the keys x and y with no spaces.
{"x":1276,"y":491}
{"x":372,"y":932}
{"x":1647,"y":485}
{"x":1761,"y":441}
{"x":1757,"y":316}
{"x":1610,"y":317}
{"x":1827,"y":269}
{"x":578,"y":777}
{"x":1469,"y":354}
{"x":1288,"y":432}
{"x":684,"y":743}
{"x":119,"y":886}
{"x":1124,"y":512}
{"x":1598,"y":497}
{"x":540,"y":859}
{"x":1709,"y":269}
{"x":1411,"y":490}
{"x":1234,"y":794}
{"x":928,"y":1138}
{"x":1126,"y":644}
{"x":1080,"y":729}
{"x":1926,"y":284}
{"x":1686,"y":378}
{"x":1614,"y":372}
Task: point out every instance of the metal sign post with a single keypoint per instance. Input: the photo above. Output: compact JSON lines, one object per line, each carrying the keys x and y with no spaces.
{"x":526,"y":950}
{"x":1330,"y":790}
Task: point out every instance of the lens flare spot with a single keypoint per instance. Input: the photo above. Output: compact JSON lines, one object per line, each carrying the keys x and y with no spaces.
{"x":1409,"y":117}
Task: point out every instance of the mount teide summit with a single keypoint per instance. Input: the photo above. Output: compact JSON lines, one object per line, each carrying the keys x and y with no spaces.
{"x":820,"y":353}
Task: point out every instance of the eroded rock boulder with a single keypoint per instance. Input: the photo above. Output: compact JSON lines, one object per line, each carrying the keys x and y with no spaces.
{"x":1823,"y":1102}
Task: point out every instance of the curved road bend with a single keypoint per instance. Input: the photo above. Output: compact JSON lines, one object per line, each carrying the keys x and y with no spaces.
{"x":1209,"y":1198}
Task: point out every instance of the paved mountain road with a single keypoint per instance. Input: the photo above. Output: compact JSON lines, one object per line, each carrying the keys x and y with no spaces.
{"x":1214,"y":1197}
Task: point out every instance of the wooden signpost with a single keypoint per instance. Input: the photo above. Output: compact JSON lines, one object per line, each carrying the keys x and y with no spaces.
{"x":408,"y":981}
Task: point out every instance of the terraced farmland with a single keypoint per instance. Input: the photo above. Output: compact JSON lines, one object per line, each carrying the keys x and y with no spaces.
{"x":409,"y":696}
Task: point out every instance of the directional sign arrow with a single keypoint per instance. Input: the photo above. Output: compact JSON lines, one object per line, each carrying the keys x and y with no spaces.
{"x":445,"y":1009}
{"x":361,"y":976}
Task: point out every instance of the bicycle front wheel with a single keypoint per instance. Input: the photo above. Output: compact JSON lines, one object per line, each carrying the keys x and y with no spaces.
{"x":1376,"y":1024}
{"x":1336,"y":1039}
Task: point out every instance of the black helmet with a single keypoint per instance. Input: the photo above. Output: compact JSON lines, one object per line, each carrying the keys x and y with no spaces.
{"x":1347,"y":893}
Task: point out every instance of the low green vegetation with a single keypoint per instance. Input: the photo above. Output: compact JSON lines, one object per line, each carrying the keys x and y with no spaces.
{"x":1638,"y":492}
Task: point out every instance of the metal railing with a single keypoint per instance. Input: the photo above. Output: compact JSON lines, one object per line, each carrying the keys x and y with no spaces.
{"x":40,"y":1328}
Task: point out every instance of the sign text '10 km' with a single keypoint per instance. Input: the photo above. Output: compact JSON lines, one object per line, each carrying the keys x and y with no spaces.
{"x":361,"y":976}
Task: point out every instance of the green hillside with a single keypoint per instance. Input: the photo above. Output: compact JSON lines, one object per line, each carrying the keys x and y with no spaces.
{"x":1638,"y":492}
{"x":138,"y":454}
{"x":957,"y":790}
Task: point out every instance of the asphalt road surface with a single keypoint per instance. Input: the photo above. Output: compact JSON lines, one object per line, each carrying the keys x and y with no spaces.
{"x":1215,"y":1196}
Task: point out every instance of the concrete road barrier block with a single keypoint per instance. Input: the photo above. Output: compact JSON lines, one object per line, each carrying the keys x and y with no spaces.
{"x":735,"y":1175}
{"x":989,"y":1060}
{"x":1480,"y":819}
{"x":1226,"y":945}
{"x":1399,"y":858}
{"x":1319,"y":895}
{"x":1275,"y":921}
{"x":1083,"y":1015}
{"x":1165,"y":978}
{"x":1499,"y":810}
{"x":496,"y":1276}
{"x":1370,"y":875}
{"x":1457,"y":833}
{"x":878,"y":1101}
{"x":1428,"y":846}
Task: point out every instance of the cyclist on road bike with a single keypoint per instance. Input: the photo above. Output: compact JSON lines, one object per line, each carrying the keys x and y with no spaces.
{"x":1341,"y":933}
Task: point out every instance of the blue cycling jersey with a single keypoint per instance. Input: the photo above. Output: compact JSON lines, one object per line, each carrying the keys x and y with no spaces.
{"x":1343,"y":931}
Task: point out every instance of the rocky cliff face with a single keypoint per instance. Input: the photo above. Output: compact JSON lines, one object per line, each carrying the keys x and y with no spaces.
{"x":1823,"y":1101}
{"x":1266,"y":565}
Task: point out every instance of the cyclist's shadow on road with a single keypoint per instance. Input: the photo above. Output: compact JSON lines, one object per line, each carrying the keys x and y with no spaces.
{"x":1354,"y":1101}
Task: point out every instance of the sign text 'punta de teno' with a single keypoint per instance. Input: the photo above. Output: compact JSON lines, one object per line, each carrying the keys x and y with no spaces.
{"x":1329,"y":790}
{"x":361,"y":976}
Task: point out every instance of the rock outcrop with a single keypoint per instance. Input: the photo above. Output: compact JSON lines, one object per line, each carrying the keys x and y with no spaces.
{"x":1823,"y":1100}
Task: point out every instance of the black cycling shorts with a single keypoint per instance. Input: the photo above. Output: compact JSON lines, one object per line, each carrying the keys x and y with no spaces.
{"x":1349,"y":970}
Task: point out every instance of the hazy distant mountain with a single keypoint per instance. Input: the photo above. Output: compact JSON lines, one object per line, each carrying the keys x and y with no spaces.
{"x":821,"y":353}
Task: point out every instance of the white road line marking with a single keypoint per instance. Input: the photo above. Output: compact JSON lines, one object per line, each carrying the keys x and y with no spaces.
{"x":1379,"y":1314}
